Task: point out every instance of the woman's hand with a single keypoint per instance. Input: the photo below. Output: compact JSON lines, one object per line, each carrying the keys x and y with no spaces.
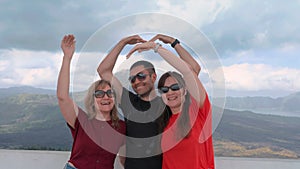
{"x":141,"y":47}
{"x":68,"y":45}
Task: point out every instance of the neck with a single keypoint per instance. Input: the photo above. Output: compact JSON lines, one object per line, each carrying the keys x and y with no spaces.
{"x":176,"y":110}
{"x":149,"y":96}
{"x":103,"y":116}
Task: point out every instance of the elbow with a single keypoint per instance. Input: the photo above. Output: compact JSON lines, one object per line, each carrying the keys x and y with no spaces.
{"x":105,"y":74}
{"x":101,"y":71}
{"x":61,"y":97}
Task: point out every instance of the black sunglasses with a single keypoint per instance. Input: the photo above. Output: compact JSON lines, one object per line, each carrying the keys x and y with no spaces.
{"x":140,"y":76}
{"x":101,"y":93}
{"x":173,"y":87}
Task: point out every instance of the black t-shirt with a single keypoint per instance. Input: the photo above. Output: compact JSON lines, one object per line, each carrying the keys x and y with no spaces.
{"x":143,"y":148}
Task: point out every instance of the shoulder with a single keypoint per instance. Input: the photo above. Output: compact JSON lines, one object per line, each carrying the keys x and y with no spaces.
{"x":206,"y":105}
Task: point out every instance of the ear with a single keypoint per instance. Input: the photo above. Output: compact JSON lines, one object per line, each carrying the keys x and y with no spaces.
{"x":153,"y":76}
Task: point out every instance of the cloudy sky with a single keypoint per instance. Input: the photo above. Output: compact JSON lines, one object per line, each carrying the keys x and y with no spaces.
{"x":257,"y":42}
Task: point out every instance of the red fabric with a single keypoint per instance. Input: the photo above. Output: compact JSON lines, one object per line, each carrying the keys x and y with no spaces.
{"x":88,"y":135}
{"x":196,"y":151}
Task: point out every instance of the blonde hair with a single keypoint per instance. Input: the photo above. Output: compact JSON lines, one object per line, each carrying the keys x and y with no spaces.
{"x":89,"y":102}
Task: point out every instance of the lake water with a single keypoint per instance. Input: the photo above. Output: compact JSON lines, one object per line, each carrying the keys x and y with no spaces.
{"x":29,"y":159}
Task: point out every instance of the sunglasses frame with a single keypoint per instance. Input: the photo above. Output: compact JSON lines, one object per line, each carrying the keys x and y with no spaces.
{"x":173,"y":87}
{"x":141,"y":76}
{"x":108,"y":92}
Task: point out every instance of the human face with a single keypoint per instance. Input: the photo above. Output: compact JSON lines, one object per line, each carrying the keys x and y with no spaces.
{"x":173,"y":98}
{"x":142,"y":86}
{"x":105,"y":103}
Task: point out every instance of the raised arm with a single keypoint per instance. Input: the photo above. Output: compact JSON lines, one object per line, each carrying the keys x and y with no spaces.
{"x":67,"y":107}
{"x":105,"y":68}
{"x":193,"y":84}
{"x":183,"y":53}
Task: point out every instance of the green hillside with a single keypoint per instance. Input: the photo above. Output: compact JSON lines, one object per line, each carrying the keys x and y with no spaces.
{"x":34,"y":121}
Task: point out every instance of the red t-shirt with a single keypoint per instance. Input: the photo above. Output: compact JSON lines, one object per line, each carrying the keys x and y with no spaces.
{"x":195,"y":151}
{"x":95,"y":142}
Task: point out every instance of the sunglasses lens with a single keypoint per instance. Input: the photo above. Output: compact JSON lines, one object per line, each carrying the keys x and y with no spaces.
{"x":175,"y":87}
{"x":109,"y":93}
{"x":164,"y":89}
{"x":132,"y":79}
{"x":140,"y":76}
{"x":99,"y":93}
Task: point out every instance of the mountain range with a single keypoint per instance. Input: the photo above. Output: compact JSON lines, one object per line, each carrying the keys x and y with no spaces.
{"x":30,"y":119}
{"x":285,"y":106}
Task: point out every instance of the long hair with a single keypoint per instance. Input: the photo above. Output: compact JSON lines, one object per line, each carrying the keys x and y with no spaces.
{"x":183,"y":122}
{"x":89,"y":102}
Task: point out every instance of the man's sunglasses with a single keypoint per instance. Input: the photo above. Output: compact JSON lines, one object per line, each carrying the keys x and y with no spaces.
{"x":173,"y":87}
{"x":101,"y":93}
{"x":140,"y":76}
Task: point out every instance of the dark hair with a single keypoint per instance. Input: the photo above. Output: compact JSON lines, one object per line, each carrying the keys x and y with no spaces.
{"x":183,"y":122}
{"x":147,"y":65}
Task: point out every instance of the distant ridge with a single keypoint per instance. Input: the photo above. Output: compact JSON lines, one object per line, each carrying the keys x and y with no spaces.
{"x":285,"y":106}
{"x":5,"y":92}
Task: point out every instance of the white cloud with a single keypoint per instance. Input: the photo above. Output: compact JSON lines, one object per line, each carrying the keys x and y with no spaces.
{"x":16,"y":70}
{"x":195,"y":11}
{"x":254,"y":77}
{"x":24,"y":67}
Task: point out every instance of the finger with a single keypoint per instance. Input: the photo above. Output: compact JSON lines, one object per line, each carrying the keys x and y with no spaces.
{"x":131,"y":52}
{"x":142,"y":41}
{"x":67,"y":40}
{"x":71,"y":40}
{"x":64,"y":39}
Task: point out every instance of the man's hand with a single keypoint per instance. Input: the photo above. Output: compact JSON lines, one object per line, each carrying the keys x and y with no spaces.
{"x":164,"y":38}
{"x":134,"y":39}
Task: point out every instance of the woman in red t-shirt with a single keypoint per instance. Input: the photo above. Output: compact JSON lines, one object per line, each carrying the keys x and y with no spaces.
{"x":97,"y":133}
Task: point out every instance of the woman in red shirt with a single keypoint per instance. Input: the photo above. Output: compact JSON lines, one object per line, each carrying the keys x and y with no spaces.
{"x":97,"y":132}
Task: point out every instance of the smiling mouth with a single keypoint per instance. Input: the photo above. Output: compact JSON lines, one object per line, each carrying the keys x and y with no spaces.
{"x":172,"y":98}
{"x":105,"y":103}
{"x":140,"y":86}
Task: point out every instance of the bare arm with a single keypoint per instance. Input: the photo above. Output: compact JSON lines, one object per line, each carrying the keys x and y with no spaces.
{"x":67,"y":107}
{"x":183,"y":53}
{"x":121,"y":155}
{"x":105,"y":68}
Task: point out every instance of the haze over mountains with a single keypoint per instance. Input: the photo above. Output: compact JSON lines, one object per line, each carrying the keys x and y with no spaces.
{"x":30,"y":119}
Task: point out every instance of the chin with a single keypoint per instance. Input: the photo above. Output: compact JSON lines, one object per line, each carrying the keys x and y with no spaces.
{"x":173,"y":105}
{"x":106,"y":109}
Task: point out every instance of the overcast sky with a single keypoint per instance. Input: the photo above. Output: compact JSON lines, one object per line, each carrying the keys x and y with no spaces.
{"x":258,"y":42}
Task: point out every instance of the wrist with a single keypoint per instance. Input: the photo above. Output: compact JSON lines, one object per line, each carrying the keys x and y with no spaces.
{"x":123,"y":42}
{"x":156,"y":47}
{"x":67,"y":58}
{"x":173,"y":44}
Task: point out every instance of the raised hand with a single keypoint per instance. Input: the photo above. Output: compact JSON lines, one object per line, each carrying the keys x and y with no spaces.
{"x":68,"y":45}
{"x":134,"y":39}
{"x":141,"y":47}
{"x":164,"y":38}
